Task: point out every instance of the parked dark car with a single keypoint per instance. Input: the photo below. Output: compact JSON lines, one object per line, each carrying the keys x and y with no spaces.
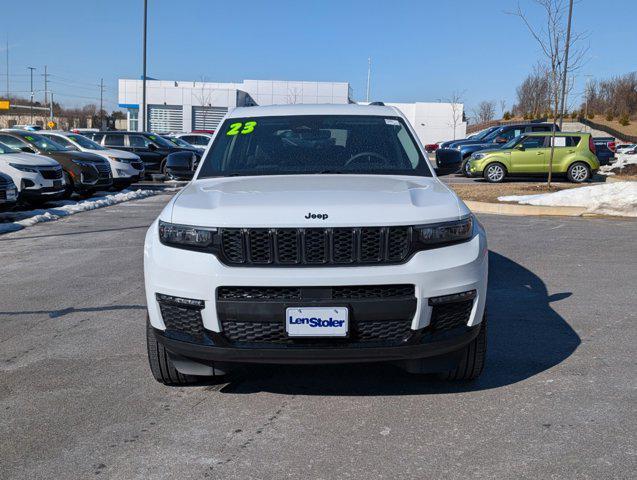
{"x":151,"y":148}
{"x":453,"y":156}
{"x":182,"y":165}
{"x":180,"y":142}
{"x":8,"y":192}
{"x":604,"y":149}
{"x":84,"y":173}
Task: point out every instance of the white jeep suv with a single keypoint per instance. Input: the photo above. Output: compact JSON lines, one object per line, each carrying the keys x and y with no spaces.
{"x":315,"y":234}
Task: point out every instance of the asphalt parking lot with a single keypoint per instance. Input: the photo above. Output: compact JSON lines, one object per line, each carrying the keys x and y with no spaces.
{"x":557,"y":398}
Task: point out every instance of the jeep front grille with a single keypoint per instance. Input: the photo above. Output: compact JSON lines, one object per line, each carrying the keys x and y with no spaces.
{"x":315,"y":246}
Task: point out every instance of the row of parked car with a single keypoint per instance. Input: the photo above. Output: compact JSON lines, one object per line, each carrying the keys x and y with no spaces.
{"x":523,"y":149}
{"x":36,"y":167}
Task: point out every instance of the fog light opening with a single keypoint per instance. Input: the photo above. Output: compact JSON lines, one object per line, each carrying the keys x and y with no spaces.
{"x":453,"y":298}
{"x":180,"y":301}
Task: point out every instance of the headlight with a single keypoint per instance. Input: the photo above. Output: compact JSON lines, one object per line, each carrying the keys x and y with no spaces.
{"x":116,"y":159}
{"x":185,"y":236}
{"x":24,"y":168}
{"x":477,"y":156}
{"x":447,"y":232}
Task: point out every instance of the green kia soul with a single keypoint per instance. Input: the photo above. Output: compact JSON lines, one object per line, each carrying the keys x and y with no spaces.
{"x":528,"y":154}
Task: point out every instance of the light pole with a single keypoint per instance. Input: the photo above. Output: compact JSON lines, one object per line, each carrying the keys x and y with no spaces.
{"x":102,"y":104}
{"x":31,"y":69}
{"x":369,"y":75}
{"x":144,"y":69}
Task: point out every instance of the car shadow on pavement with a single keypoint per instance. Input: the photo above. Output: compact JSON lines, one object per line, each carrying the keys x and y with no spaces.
{"x":525,"y":337}
{"x":67,"y":311}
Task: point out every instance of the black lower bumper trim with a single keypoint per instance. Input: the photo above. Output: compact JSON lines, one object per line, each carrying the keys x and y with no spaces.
{"x":299,"y":355}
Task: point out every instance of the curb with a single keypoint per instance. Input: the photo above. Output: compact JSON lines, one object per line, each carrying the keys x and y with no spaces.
{"x":523,"y":210}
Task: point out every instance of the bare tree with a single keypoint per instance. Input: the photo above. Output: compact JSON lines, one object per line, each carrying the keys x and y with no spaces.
{"x":485,"y":112}
{"x":293,"y":95}
{"x":503,"y":106}
{"x":204,"y":97}
{"x":457,"y":109}
{"x":554,"y":42}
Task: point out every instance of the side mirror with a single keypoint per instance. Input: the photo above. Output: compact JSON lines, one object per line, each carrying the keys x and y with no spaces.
{"x":520,"y":147}
{"x":152,"y":147}
{"x":180,"y":160}
{"x":500,"y":140}
{"x":27,"y":149}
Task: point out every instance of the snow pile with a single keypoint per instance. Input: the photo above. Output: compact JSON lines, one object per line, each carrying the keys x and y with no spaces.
{"x":619,"y":198}
{"x":623,"y":160}
{"x":64,"y":208}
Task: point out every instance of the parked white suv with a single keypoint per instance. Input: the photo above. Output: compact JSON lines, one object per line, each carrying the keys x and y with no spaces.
{"x":37,"y":178}
{"x":315,"y":234}
{"x":126,"y":167}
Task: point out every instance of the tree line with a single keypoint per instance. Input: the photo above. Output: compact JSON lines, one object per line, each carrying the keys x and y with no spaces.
{"x":612,"y":98}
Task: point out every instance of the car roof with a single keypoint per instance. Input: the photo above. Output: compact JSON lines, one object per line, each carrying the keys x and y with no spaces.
{"x":557,"y":134}
{"x":304,"y":109}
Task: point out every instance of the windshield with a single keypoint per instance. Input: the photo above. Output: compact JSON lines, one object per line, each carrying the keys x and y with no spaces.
{"x":43,"y":143}
{"x":179,"y":142}
{"x":314,"y":144}
{"x":481,"y":135}
{"x":512,"y":143}
{"x":84,"y":142}
{"x":7,"y":149}
{"x":160,"y":141}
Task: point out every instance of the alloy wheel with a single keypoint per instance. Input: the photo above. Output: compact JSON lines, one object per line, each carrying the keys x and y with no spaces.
{"x":495,"y":173}
{"x":579,"y":173}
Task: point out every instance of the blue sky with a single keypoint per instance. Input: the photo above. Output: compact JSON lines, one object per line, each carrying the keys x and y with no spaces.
{"x":421,"y":50}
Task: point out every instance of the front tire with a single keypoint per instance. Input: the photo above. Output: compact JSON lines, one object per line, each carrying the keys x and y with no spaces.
{"x":473,"y":358}
{"x":466,"y":168}
{"x":160,"y":363}
{"x":578,"y":172}
{"x":495,"y":172}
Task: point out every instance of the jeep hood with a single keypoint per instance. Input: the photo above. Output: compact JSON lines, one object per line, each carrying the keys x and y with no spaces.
{"x":286,"y":201}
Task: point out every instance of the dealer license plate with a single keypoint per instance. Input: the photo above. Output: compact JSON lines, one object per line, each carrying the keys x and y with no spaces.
{"x":316,"y":321}
{"x":11,"y":195}
{"x":57,"y":183}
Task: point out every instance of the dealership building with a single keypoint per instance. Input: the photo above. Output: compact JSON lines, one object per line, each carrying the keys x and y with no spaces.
{"x":183,"y":106}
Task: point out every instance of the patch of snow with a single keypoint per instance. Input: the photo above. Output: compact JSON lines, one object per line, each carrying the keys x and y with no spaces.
{"x":64,"y":208}
{"x":619,"y":198}
{"x":623,"y":159}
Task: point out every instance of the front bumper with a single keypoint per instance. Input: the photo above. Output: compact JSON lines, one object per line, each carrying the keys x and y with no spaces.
{"x":427,"y":347}
{"x":44,"y":193}
{"x":123,"y":171}
{"x":433,"y":273}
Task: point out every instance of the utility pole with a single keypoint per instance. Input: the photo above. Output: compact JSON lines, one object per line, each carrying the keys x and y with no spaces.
{"x":31,"y":69}
{"x":144,"y":70}
{"x":51,"y":108}
{"x":101,"y":103}
{"x":568,"y":44}
{"x":369,"y":76}
{"x":46,"y":85}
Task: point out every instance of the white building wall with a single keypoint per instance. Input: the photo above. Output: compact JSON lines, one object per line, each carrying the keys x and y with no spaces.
{"x":434,"y":122}
{"x":263,"y":92}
